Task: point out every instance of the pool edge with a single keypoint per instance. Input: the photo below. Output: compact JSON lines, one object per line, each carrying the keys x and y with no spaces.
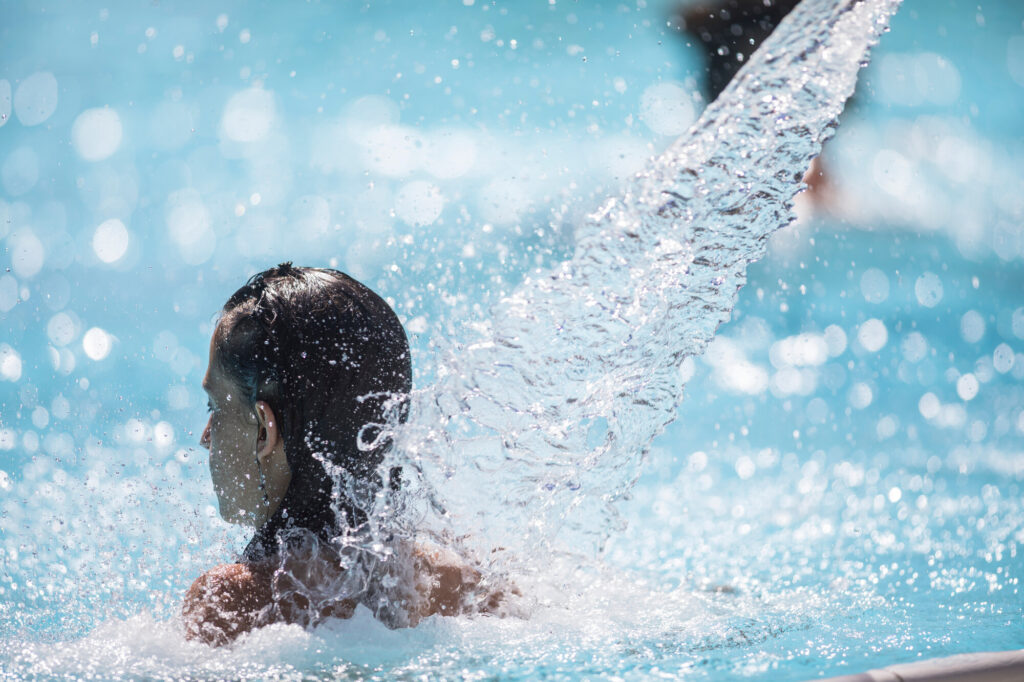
{"x":992,"y":666}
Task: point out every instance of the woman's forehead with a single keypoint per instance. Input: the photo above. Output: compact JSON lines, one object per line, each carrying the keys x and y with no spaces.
{"x":214,"y":381}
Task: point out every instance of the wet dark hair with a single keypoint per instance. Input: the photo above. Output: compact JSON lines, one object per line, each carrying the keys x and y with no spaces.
{"x":329,"y":356}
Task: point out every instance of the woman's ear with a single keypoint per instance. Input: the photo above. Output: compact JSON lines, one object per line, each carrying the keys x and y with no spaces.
{"x":269,"y":425}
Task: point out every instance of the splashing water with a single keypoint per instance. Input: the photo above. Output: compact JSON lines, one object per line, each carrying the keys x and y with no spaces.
{"x":539,"y":424}
{"x":534,"y":430}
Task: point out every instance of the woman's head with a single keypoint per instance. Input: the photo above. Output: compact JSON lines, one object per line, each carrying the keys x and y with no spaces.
{"x":303,"y":364}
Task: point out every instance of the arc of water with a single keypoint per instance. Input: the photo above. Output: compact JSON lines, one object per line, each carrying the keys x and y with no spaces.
{"x":532,"y":432}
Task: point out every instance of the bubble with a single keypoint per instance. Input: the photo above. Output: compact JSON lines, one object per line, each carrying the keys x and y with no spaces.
{"x":872,"y":335}
{"x":248,"y":115}
{"x":667,"y":108}
{"x":745,"y":467}
{"x":96,"y":133}
{"x":40,"y":417}
{"x":5,"y":101}
{"x":188,"y":223}
{"x":419,"y":203}
{"x":895,"y":494}
{"x":967,"y":387}
{"x":886,"y":428}
{"x":164,"y":346}
{"x":874,"y":285}
{"x":369,"y":112}
{"x":182,"y":361}
{"x":8,"y":293}
{"x":835,"y":339}
{"x":928,"y":289}
{"x":110,"y":241}
{"x":1002,"y":358}
{"x":20,"y":171}
{"x":178,"y":398}
{"x":55,"y":291}
{"x":61,"y":329}
{"x":972,"y":326}
{"x":861,"y":395}
{"x":417,"y":325}
{"x":914,"y":347}
{"x":97,"y":343}
{"x":35,"y":100}
{"x":929,"y":405}
{"x":163,"y":434}
{"x":1017,"y":323}
{"x":26,"y":252}
{"x":60,"y":407}
{"x":10,"y":363}
{"x":892,"y":172}
{"x":392,"y":150}
{"x":800,"y":350}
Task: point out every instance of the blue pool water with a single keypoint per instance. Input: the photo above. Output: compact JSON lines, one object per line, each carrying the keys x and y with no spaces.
{"x":849,"y":456}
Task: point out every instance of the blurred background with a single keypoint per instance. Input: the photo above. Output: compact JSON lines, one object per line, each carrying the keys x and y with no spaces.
{"x":864,"y":405}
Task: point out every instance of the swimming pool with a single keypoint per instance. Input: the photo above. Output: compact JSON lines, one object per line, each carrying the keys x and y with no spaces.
{"x":840,"y":489}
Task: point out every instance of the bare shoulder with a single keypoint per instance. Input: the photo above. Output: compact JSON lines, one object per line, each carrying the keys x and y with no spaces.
{"x":226,"y":601}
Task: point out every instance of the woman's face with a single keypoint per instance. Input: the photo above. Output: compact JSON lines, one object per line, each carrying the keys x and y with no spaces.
{"x":230,"y":436}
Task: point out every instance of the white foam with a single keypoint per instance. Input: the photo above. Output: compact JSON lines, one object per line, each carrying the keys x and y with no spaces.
{"x":96,"y":133}
{"x":35,"y":100}
{"x":110,"y":240}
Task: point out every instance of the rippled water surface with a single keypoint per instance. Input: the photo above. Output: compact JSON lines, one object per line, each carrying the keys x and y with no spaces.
{"x":840,"y":487}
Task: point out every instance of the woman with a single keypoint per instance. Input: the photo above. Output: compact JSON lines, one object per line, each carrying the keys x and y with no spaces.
{"x":307,"y":367}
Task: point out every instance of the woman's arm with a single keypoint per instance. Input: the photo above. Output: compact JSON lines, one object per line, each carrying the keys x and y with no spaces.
{"x":226,"y":602}
{"x":449,"y":586}
{"x":233,"y":599}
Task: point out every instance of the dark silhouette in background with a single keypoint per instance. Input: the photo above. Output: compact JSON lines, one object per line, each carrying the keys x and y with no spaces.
{"x":728,"y":32}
